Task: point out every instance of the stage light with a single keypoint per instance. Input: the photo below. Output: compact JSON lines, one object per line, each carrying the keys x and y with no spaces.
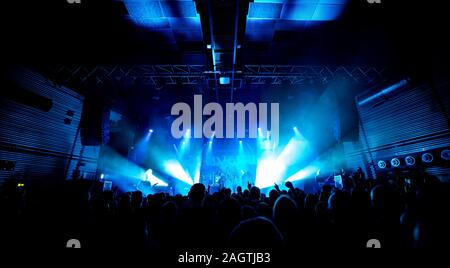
{"x":410,"y":161}
{"x":303,"y":173}
{"x":208,"y":156}
{"x":185,"y":144}
{"x":381,"y":164}
{"x":209,"y":147}
{"x":208,"y":46}
{"x":297,"y":176}
{"x":210,"y":141}
{"x":154,"y":181}
{"x":195,"y":163}
{"x":187,"y":134}
{"x":297,"y":133}
{"x":174,"y":169}
{"x":395,"y":162}
{"x":292,"y":152}
{"x":427,"y":158}
{"x":102,"y":176}
{"x":224,"y":80}
{"x":240,"y":156}
{"x":445,"y":154}
{"x":197,"y":176}
{"x":268,"y":172}
{"x":143,"y":143}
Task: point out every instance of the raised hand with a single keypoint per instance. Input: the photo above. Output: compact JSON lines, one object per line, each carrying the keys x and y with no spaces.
{"x":277,"y":187}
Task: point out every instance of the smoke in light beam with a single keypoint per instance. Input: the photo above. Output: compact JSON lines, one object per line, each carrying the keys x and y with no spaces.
{"x":303,"y":173}
{"x":174,"y":169}
{"x":154,"y":181}
{"x":268,"y":172}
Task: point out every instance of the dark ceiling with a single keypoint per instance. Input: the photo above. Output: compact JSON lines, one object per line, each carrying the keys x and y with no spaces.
{"x":123,"y":50}
{"x":101,"y":32}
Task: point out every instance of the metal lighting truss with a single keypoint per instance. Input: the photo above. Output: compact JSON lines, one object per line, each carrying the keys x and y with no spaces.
{"x":160,"y":75}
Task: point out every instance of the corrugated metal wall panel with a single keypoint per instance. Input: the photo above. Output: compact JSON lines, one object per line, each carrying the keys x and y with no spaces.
{"x":40,"y":142}
{"x":353,"y":160}
{"x":439,"y":171}
{"x":413,"y":113}
{"x":411,"y":120}
{"x":89,"y":156}
{"x":34,"y":166}
{"x":399,"y":149}
{"x":419,"y":146}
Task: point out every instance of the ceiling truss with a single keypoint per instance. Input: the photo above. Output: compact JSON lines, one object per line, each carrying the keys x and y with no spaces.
{"x":161,"y":75}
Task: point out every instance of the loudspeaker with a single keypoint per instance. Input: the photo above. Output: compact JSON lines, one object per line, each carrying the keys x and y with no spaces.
{"x":94,"y":124}
{"x":349,"y":120}
{"x":347,"y":110}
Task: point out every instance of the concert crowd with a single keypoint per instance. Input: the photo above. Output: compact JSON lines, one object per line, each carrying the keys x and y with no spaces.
{"x":403,"y":210}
